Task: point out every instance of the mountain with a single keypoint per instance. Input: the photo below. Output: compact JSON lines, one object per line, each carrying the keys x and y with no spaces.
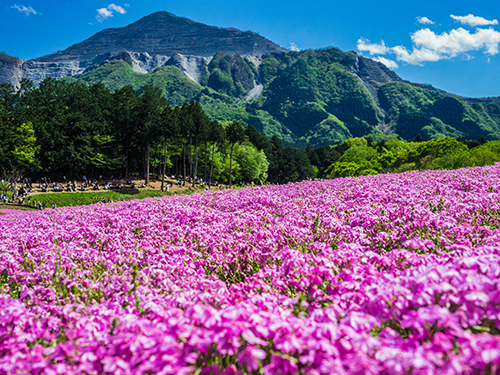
{"x":149,"y":43}
{"x":312,"y":97}
{"x":165,"y":34}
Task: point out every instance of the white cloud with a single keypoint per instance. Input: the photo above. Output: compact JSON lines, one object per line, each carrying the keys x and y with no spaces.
{"x":117,"y":8}
{"x":294,"y":47}
{"x":429,"y":46}
{"x":105,"y":13}
{"x":457,"y":41}
{"x":474,"y":21}
{"x":23,"y":9}
{"x":389,"y":63}
{"x":372,"y":48}
{"x":425,"y":21}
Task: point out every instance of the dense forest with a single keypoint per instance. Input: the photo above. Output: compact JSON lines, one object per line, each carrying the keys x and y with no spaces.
{"x":65,"y":128}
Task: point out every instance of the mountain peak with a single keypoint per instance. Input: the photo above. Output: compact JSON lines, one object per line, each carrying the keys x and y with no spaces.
{"x":163,"y":33}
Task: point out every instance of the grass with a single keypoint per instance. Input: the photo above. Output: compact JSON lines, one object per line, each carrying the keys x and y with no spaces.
{"x":87,"y":198}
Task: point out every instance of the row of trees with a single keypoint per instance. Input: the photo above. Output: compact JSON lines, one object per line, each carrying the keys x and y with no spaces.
{"x":63,"y":128}
{"x":365,"y":156}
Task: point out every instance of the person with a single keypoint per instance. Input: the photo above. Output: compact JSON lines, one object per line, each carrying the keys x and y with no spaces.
{"x":44,"y":205}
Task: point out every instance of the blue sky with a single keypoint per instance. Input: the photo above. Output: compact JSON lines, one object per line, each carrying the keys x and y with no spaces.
{"x":453,"y":45}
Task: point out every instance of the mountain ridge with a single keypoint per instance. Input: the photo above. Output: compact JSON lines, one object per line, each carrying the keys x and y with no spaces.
{"x":163,"y":33}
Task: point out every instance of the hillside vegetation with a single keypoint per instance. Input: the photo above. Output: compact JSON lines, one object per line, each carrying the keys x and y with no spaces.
{"x":315,"y":97}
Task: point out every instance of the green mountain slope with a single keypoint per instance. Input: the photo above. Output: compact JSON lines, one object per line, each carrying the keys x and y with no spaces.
{"x":315,"y":97}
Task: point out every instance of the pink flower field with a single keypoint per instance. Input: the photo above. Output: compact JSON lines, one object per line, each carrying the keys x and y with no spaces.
{"x":388,"y":274}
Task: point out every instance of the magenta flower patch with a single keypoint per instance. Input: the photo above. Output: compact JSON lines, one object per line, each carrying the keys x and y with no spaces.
{"x":387,"y":274}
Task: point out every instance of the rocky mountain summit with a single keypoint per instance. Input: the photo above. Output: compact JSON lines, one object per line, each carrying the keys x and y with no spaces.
{"x":147,"y":44}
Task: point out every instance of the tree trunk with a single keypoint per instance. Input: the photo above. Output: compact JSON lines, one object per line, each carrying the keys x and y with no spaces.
{"x":231,"y":166}
{"x":164,"y":166}
{"x":190,"y":157}
{"x":205,"y":169}
{"x":195,"y":160}
{"x":147,"y":165}
{"x":212,"y":166}
{"x":126,"y":157}
{"x":184,"y":176}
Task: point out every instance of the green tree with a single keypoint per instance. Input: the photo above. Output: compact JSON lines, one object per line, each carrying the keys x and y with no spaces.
{"x":235,"y":133}
{"x":216,"y":135}
{"x":253,"y":163}
{"x":26,"y":146}
{"x":125,"y":101}
{"x":151,"y":106}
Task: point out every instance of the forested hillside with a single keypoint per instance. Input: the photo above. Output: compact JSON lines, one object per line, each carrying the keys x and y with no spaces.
{"x":315,"y":97}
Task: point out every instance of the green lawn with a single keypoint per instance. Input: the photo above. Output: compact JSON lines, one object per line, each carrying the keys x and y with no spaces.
{"x":86,"y":198}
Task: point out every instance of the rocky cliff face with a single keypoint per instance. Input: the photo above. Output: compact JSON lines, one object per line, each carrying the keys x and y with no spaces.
{"x":153,"y":41}
{"x":10,"y":69}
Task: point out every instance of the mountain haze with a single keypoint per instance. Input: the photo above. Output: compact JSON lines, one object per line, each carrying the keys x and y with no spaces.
{"x":312,"y":97}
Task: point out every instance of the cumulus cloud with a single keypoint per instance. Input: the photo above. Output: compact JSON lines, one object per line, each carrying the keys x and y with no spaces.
{"x":23,"y":9}
{"x":474,"y":21}
{"x":294,"y":47}
{"x":117,"y":8}
{"x":105,"y":13}
{"x":457,"y":41}
{"x":429,"y":46}
{"x":365,"y":45}
{"x":391,"y":64}
{"x":425,"y":21}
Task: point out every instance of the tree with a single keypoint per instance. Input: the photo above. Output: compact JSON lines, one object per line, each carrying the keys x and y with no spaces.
{"x":216,"y":135}
{"x":125,"y":101}
{"x":253,"y":163}
{"x":199,"y":130}
{"x":185,"y":126}
{"x":26,"y":147}
{"x":168,"y":130}
{"x":235,"y":133}
{"x":151,"y":105}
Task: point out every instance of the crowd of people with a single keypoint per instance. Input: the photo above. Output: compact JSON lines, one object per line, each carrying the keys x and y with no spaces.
{"x":21,"y":191}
